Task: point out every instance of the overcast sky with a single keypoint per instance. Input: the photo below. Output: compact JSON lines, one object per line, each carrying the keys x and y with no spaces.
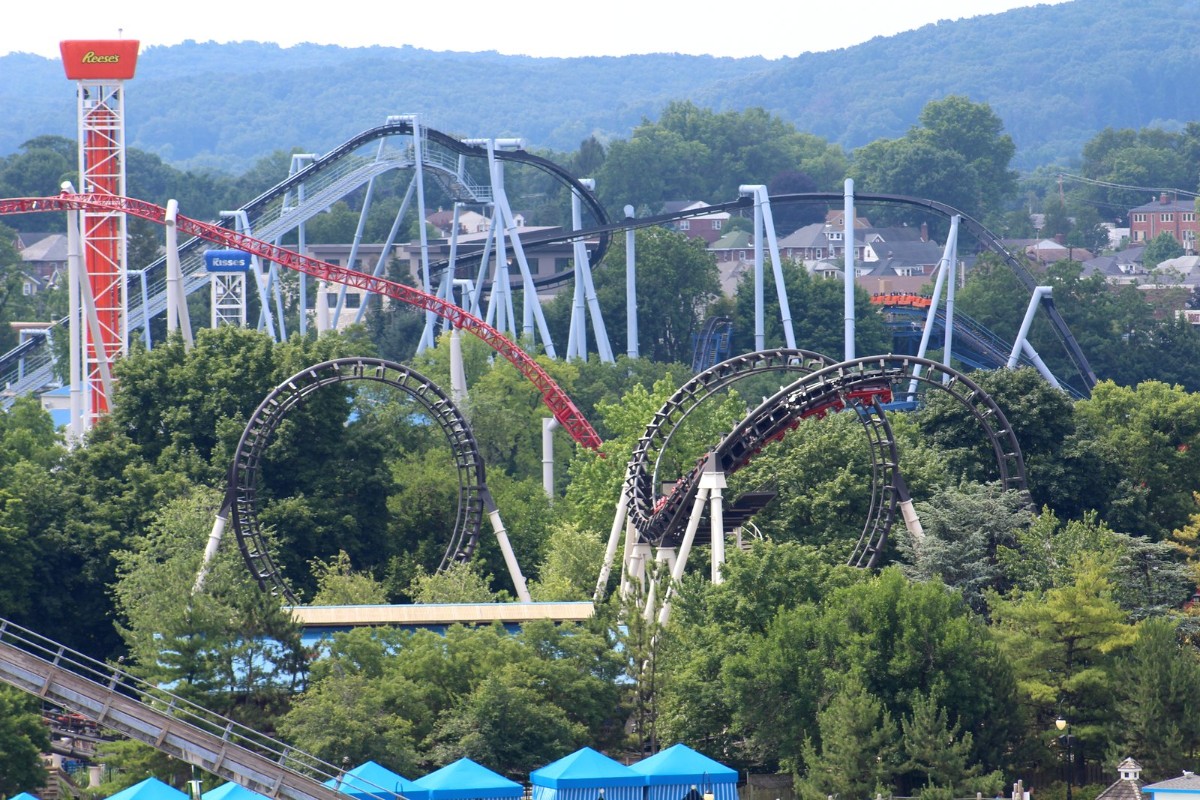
{"x":528,"y":27}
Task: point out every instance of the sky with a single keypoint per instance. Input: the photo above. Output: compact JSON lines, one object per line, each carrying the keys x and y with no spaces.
{"x":529,"y":27}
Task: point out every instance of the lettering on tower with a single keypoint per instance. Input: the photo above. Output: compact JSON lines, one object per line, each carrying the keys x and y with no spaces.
{"x":99,"y":59}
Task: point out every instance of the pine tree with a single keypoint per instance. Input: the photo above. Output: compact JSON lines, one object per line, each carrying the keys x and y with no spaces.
{"x":858,"y":749}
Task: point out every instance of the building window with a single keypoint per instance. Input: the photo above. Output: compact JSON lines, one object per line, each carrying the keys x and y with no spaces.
{"x":353,"y":300}
{"x":716,"y":224}
{"x":1188,"y":216}
{"x":562,"y":264}
{"x":1139,"y":217}
{"x":685,"y":224}
{"x":834,"y":236}
{"x":1168,"y":217}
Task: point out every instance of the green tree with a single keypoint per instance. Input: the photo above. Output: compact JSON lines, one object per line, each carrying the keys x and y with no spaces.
{"x":818,"y":310}
{"x":1061,"y":644}
{"x":676,"y":284}
{"x":506,"y":722}
{"x":568,"y":569}
{"x":963,"y":528}
{"x":458,"y":583}
{"x":1158,"y":683}
{"x":1152,"y":434}
{"x":230,"y":647}
{"x":1161,"y":248}
{"x":858,"y":750}
{"x":23,"y":738}
{"x":939,"y":753}
{"x":338,"y":584}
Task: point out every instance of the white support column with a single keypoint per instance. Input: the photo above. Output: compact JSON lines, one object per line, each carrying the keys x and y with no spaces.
{"x":549,"y":425}
{"x":79,"y":424}
{"x":848,"y":241}
{"x":210,"y":549}
{"x":764,"y":232}
{"x":714,"y":480}
{"x":948,"y":255}
{"x":685,"y":549}
{"x":510,"y":558}
{"x":666,"y":560}
{"x":951,"y":284}
{"x":610,"y":549}
{"x":458,"y":373}
{"x":631,"y":320}
{"x":1039,"y":293}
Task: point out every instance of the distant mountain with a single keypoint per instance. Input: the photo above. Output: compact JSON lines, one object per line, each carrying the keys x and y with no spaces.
{"x":1055,"y":74}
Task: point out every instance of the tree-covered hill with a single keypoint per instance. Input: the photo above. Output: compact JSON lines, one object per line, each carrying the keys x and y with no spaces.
{"x":1055,"y":74}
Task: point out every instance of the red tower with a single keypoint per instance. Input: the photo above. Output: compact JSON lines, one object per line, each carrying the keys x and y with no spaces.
{"x":100,"y":68}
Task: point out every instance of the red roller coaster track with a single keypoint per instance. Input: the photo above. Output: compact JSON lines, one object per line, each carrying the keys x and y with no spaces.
{"x":555,"y":399}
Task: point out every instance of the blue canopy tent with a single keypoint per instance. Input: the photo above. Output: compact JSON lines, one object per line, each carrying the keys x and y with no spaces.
{"x":150,"y":789}
{"x":679,"y":771}
{"x":466,"y":780}
{"x":232,"y":791}
{"x":372,"y":781}
{"x":24,"y":796}
{"x":586,"y":775}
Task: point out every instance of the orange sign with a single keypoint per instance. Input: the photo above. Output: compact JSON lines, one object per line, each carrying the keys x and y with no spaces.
{"x":99,"y":59}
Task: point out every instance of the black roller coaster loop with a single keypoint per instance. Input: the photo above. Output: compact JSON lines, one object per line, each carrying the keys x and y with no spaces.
{"x":866,"y":386}
{"x":242,"y":483}
{"x":642,"y":483}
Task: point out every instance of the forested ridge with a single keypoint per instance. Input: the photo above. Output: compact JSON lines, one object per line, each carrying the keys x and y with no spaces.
{"x":1056,"y":74}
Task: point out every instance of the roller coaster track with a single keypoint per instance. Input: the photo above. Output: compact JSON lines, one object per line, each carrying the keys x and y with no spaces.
{"x":989,"y":240}
{"x":241,"y":495}
{"x":862,"y":385}
{"x":169,"y":723}
{"x":641,"y":483}
{"x":555,"y":399}
{"x":278,"y":211}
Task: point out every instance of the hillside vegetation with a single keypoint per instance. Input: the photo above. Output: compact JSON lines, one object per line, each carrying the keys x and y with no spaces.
{"x":1055,"y":74}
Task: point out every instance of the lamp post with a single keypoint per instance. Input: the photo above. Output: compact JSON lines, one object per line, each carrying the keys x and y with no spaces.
{"x":1062,"y":724}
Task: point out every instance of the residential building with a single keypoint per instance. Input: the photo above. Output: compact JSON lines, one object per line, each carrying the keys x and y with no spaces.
{"x":43,"y":257}
{"x":1165,"y":215}
{"x":708,"y":227}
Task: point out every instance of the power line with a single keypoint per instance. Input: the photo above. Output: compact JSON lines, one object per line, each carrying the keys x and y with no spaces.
{"x":1111,"y":185}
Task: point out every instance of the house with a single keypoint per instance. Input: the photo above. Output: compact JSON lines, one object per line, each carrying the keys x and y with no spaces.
{"x":1165,"y":215}
{"x":1185,"y":787}
{"x":735,"y":257}
{"x":468,"y":222}
{"x":1050,"y":251}
{"x":824,"y":240}
{"x":43,"y":257}
{"x":702,"y":226}
{"x":1128,"y":786}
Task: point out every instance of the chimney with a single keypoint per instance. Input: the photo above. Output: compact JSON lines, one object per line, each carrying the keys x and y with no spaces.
{"x":924,"y":231}
{"x":1060,"y":238}
{"x":1162,"y":198}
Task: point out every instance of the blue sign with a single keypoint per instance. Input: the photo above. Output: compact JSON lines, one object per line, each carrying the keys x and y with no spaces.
{"x":226,"y":260}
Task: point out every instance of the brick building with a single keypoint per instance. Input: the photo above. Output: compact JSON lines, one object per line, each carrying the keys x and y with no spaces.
{"x":1165,"y":215}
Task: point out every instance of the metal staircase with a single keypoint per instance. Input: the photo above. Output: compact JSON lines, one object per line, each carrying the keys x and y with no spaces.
{"x":171,"y":724}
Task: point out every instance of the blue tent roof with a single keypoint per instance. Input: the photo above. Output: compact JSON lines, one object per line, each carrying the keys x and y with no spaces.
{"x":682,"y":764}
{"x":465,"y":779}
{"x":24,"y":796}
{"x":371,"y":780}
{"x":232,"y":791}
{"x":585,"y":768}
{"x":149,"y":789}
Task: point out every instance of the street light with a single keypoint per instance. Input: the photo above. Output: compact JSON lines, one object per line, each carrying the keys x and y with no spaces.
{"x":1062,"y":724}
